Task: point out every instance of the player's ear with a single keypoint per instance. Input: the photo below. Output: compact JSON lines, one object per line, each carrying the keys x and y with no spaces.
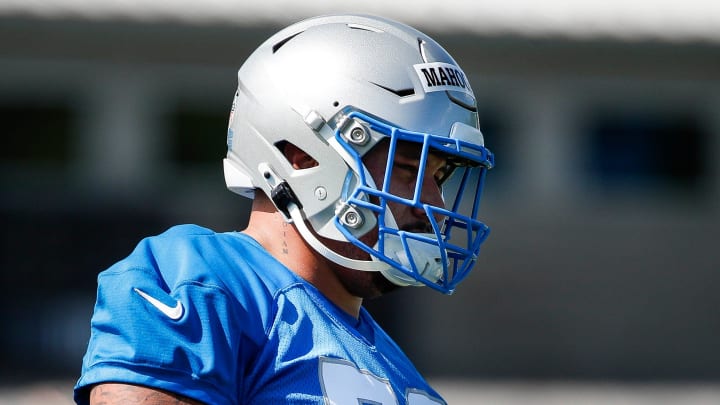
{"x":298,"y":158}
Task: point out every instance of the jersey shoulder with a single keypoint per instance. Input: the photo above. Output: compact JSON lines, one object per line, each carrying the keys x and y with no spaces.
{"x":182,"y":313}
{"x":194,"y":254}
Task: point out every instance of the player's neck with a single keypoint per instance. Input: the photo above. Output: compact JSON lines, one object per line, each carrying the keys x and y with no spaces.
{"x":284,"y":243}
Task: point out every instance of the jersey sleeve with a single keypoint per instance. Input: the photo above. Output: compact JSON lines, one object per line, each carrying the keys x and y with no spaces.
{"x":186,"y":339}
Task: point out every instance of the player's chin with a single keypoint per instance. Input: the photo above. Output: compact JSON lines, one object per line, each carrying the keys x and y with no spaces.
{"x":364,"y":284}
{"x":359,"y":283}
{"x":383,"y":285}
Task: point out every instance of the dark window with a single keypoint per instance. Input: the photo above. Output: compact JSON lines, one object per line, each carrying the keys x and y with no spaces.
{"x":647,"y":148}
{"x":36,"y":134}
{"x":198,"y":137}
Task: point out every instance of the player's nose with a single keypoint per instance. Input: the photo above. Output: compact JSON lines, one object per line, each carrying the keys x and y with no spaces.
{"x":431,"y":194}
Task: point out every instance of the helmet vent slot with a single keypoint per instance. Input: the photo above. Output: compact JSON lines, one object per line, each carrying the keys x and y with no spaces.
{"x":398,"y":92}
{"x":421,"y":48}
{"x":280,"y":44}
{"x":364,"y":28}
{"x":464,"y":103}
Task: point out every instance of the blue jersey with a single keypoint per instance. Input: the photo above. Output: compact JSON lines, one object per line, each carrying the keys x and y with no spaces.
{"x":212,"y":316}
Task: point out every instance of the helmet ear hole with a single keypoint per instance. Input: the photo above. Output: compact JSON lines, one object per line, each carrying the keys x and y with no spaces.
{"x":298,"y":158}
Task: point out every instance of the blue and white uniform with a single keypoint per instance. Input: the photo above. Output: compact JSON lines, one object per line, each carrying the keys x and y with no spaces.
{"x":212,"y":316}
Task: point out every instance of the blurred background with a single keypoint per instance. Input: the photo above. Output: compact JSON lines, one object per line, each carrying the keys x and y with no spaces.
{"x":601,"y":274}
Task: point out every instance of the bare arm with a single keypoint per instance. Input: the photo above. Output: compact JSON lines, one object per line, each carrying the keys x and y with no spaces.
{"x":113,"y":393}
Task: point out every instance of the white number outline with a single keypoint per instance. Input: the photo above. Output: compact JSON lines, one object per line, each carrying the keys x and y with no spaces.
{"x":369,"y":388}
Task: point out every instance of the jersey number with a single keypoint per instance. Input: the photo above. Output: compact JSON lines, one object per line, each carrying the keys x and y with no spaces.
{"x":343,"y":383}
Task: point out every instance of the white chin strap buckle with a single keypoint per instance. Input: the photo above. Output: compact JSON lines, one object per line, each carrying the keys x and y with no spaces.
{"x":426,"y":257}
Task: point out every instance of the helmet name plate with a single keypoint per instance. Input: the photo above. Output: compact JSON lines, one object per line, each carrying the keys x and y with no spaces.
{"x":439,"y":76}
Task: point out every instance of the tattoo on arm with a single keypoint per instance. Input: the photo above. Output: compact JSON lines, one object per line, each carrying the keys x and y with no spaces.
{"x":115,"y":394}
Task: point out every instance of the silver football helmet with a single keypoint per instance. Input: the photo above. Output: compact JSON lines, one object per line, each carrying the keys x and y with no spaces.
{"x":335,"y":86}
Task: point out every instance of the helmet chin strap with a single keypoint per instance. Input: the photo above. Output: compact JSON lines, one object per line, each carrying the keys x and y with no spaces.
{"x":363,"y":265}
{"x":426,"y":257}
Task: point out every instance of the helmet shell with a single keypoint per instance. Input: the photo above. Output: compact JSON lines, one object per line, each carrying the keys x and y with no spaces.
{"x":320,"y":66}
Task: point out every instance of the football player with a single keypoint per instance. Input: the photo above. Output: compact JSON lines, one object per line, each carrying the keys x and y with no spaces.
{"x":357,"y":138}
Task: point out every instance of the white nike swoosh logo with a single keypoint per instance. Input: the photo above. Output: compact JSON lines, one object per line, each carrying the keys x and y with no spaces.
{"x":173,"y":313}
